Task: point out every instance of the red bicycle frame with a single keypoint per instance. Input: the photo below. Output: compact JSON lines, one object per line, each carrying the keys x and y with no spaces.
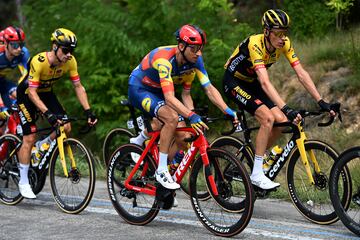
{"x":199,"y":144}
{"x":11,"y":123}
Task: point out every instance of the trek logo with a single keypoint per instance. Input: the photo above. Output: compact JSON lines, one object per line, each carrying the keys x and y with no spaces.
{"x":280,"y":161}
{"x":43,"y":160}
{"x":185,"y":160}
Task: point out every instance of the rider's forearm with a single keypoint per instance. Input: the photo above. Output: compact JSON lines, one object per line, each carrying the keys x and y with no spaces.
{"x":309,"y":85}
{"x":187,"y":99}
{"x":174,"y":103}
{"x":215,"y":97}
{"x":268,"y":88}
{"x":34,"y":97}
{"x":82,"y":96}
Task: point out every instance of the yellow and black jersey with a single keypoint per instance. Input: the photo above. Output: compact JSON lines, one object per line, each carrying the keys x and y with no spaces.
{"x":42,"y":75}
{"x":251,"y":54}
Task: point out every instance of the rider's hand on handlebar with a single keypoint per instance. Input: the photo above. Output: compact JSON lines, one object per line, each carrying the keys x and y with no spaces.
{"x":326,"y":107}
{"x":232,"y":114}
{"x":4,"y":114}
{"x":52,"y":118}
{"x":292,"y":114}
{"x":196,"y":123}
{"x":92,"y":119}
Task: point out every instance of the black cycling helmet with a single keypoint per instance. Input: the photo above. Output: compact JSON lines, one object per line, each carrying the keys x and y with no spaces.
{"x":275,"y":19}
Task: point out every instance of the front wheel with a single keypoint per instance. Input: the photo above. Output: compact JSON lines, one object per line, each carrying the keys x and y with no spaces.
{"x":313,"y":201}
{"x":349,"y":160}
{"x":72,"y":193}
{"x":228,"y":212}
{"x":9,"y":172}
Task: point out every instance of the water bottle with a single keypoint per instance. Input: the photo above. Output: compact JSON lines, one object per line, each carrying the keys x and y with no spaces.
{"x":271,"y":158}
{"x":176,"y":161}
{"x":37,"y":154}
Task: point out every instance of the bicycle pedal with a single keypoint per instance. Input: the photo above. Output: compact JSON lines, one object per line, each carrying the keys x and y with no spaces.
{"x":263,"y":193}
{"x":165,"y":197}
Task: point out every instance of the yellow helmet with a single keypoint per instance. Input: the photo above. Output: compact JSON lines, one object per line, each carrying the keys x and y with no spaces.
{"x":64,"y":37}
{"x":275,"y":18}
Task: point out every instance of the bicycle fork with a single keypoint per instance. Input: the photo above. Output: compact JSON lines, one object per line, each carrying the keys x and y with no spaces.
{"x":60,"y":142}
{"x":300,"y":142}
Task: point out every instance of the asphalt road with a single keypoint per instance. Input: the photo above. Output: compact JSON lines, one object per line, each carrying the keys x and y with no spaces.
{"x":41,"y":219}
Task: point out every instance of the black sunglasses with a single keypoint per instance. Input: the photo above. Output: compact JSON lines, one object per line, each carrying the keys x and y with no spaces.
{"x":66,"y":50}
{"x":16,"y":45}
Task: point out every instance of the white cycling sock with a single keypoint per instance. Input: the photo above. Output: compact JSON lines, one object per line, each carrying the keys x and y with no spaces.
{"x":140,"y":139}
{"x":24,"y":169}
{"x":258,"y":166}
{"x":163,"y":162}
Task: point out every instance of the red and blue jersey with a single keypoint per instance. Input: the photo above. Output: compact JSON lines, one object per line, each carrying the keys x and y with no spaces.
{"x":159,"y":71}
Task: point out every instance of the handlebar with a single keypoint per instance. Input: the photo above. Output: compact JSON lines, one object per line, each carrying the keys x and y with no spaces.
{"x":335,"y":107}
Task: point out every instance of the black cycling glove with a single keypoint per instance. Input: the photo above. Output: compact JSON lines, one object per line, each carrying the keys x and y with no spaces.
{"x":52,"y":119}
{"x":290,"y":113}
{"x":324,"y":106}
{"x":90,"y":115}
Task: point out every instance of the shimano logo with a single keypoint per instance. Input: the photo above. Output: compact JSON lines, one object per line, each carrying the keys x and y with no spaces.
{"x":46,"y":156}
{"x":282,"y":158}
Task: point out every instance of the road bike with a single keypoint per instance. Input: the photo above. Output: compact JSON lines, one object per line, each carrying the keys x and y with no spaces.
{"x":69,"y":163}
{"x":134,"y":191}
{"x":349,"y":161}
{"x":308,"y":167}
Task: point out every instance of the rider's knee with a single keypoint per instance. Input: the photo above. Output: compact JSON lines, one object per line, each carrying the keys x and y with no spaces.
{"x":67,"y":128}
{"x":29,"y":139}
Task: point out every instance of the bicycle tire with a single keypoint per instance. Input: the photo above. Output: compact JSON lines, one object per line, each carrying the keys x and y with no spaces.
{"x":228,"y":213}
{"x":115,"y":138}
{"x":9,"y":172}
{"x":350,"y":217}
{"x":134,"y":207}
{"x":313,"y":202}
{"x":72,"y":194}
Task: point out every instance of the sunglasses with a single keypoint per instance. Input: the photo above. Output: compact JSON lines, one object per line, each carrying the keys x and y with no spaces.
{"x":66,"y":50}
{"x":280,"y":34}
{"x":195,"y":48}
{"x":16,"y":45}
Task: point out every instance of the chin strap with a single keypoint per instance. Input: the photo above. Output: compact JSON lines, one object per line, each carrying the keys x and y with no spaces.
{"x":56,"y":50}
{"x":183,"y":53}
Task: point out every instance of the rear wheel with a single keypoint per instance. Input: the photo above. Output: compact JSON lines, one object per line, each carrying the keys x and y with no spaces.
{"x":114,"y":139}
{"x":228,"y":212}
{"x":349,"y":160}
{"x":133,"y":206}
{"x":313,"y":201}
{"x":72,"y":193}
{"x":9,"y":172}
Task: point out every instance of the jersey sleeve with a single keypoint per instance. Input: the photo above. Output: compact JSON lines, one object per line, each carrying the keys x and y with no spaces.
{"x":201,"y":72}
{"x":290,"y":54}
{"x":35,"y":71}
{"x":73,"y":71}
{"x":164,"y":68}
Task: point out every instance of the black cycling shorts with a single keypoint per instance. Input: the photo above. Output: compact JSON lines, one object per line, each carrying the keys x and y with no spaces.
{"x":28,"y":111}
{"x":248,"y":96}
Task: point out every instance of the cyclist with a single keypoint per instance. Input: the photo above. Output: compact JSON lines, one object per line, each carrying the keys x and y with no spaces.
{"x":13,"y":54}
{"x":246,"y":82}
{"x":151,"y":89}
{"x":35,"y":92}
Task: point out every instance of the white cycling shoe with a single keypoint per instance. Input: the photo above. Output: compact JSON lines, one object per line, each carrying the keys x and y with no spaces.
{"x":261,"y":181}
{"x":134,"y":156}
{"x":26,"y":191}
{"x":165,"y":179}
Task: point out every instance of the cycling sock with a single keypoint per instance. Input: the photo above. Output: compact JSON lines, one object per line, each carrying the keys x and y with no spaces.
{"x":24,"y":169}
{"x":140,"y":139}
{"x":162,"y":162}
{"x":258,"y":166}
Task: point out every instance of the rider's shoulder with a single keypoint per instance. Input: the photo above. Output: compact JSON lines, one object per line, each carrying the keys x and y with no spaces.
{"x":39,"y":58}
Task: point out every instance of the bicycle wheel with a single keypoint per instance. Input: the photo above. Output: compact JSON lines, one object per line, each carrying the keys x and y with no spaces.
{"x":349,"y":160}
{"x":229,"y":212}
{"x":72,"y":193}
{"x":114,"y":139}
{"x":313,"y":201}
{"x":9,"y":172}
{"x":134,"y":207}
{"x":237,"y":147}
